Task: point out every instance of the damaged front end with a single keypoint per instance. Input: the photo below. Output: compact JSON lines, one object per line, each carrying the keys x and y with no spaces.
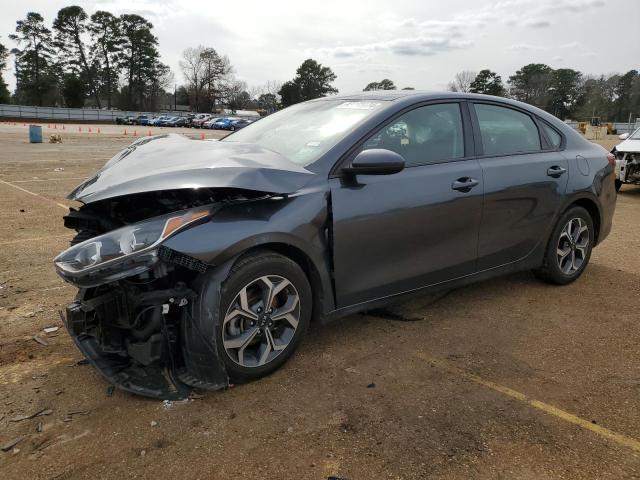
{"x":627,"y":166}
{"x":139,"y":317}
{"x":134,"y":317}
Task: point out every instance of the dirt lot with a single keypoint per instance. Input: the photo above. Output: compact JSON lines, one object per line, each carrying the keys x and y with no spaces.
{"x":509,"y":379}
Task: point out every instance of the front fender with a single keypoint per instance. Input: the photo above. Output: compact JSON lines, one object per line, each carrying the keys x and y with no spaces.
{"x":299,"y":221}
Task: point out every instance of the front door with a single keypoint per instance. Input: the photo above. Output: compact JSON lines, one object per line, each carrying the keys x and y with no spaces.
{"x":395,"y":233}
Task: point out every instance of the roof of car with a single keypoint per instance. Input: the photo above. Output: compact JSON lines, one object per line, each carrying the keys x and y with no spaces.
{"x":426,"y":95}
{"x":391,"y":95}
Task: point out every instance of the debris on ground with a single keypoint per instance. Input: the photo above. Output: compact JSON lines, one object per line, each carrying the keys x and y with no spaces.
{"x":153,"y":423}
{"x":51,"y":329}
{"x":70,"y":414}
{"x":12,"y":443}
{"x":110,"y":390}
{"x":39,"y":413}
{"x":55,"y":138}
{"x":41,"y":340}
{"x":371,"y":385}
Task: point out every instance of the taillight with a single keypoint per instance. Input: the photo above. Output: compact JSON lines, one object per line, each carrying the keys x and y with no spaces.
{"x":612,"y":159}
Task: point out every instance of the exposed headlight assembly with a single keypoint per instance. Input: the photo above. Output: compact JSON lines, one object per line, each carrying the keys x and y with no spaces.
{"x":132,"y":249}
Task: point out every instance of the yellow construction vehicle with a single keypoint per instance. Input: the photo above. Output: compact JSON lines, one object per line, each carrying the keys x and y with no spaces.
{"x":595,"y":122}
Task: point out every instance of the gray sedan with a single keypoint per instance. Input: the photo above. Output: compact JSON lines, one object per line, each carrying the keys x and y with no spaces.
{"x":201,"y":263}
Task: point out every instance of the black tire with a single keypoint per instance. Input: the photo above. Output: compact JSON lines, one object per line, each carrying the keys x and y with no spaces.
{"x":618,"y":185}
{"x":551,"y":271}
{"x":248,"y":268}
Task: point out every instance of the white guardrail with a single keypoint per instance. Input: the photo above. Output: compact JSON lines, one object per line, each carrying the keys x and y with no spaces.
{"x":78,"y":114}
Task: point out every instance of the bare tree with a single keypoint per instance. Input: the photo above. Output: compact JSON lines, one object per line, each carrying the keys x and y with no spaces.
{"x":218,"y":75}
{"x":462,"y":81}
{"x":192,"y":66}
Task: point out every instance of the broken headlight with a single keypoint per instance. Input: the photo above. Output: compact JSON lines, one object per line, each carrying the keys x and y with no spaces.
{"x":132,"y":241}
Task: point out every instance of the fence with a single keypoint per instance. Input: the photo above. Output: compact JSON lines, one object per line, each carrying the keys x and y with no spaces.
{"x":77,"y":114}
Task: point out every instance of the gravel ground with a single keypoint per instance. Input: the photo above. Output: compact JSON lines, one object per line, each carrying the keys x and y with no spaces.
{"x":509,"y":378}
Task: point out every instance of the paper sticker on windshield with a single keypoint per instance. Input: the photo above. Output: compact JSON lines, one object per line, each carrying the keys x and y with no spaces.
{"x":359,"y":105}
{"x":313,"y":144}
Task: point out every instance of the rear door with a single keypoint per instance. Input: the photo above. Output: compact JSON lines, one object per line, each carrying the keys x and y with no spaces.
{"x":394,"y":233}
{"x":525,"y":178}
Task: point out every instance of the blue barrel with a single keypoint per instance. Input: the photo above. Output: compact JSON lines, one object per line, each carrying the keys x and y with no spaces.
{"x":35,"y":134}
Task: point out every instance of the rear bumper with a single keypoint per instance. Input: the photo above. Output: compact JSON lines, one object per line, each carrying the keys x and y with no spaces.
{"x":607,"y":197}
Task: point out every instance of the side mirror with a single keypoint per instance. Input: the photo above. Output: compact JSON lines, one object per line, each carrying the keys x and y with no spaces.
{"x":624,"y":136}
{"x":376,"y":161}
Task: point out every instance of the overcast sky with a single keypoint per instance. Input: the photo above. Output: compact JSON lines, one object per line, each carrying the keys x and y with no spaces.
{"x":418,"y":43}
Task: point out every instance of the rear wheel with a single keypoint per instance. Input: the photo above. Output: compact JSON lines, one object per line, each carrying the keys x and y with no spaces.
{"x":265,"y":310}
{"x":569,"y":248}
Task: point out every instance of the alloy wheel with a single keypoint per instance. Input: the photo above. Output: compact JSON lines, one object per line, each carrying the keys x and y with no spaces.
{"x":573,"y":245}
{"x":261,"y":321}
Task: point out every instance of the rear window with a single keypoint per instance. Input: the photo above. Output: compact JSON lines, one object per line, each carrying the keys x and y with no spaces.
{"x":505,"y":131}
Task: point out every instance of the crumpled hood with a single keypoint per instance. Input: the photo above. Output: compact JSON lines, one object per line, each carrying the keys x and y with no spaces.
{"x":629,"y":146}
{"x":169,"y":162}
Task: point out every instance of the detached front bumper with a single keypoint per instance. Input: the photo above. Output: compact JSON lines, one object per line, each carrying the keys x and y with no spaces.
{"x":163,"y":356}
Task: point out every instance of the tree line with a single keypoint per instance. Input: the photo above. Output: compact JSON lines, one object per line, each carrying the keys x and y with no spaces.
{"x":104,"y":60}
{"x":98,"y":60}
{"x":563,"y":92}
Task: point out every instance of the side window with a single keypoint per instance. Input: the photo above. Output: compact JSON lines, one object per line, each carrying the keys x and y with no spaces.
{"x":552,"y":134}
{"x":428,"y":134}
{"x":505,"y":131}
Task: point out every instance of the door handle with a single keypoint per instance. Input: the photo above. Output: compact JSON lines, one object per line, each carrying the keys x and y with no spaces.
{"x":555,"y":171}
{"x":464,"y":184}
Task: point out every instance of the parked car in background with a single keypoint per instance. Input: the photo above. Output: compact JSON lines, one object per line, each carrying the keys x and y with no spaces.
{"x":141,"y":120}
{"x":128,"y":120}
{"x":166,"y":122}
{"x":199,"y":119}
{"x":238,"y":124}
{"x":156,"y":121}
{"x":224,"y":123}
{"x":628,"y":159}
{"x":202,"y":263}
{"x":209,"y":123}
{"x":177,"y":122}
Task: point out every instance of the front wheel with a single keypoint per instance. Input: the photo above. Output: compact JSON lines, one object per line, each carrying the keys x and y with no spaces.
{"x":265,"y":309}
{"x":569,"y":248}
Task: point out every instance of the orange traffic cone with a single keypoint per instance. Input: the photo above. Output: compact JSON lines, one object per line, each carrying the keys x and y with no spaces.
{"x":98,"y":130}
{"x":202,"y":136}
{"x":149,"y":133}
{"x":89,"y":129}
{"x":135,"y":133}
{"x":79,"y":129}
{"x":63,"y":126}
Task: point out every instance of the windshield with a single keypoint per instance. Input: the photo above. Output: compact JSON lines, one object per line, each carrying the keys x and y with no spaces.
{"x":635,"y":135}
{"x":303,"y":132}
